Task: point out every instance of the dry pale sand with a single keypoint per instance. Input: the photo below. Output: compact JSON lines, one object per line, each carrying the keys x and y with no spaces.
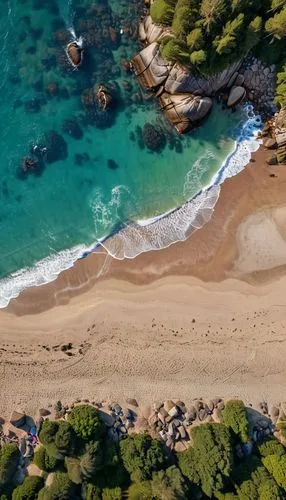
{"x":202,"y":318}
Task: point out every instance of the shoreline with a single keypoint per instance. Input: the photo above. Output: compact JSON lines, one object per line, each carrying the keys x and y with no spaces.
{"x":199,"y":255}
{"x":183,"y":322}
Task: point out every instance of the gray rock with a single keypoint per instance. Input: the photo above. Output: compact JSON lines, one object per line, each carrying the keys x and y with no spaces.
{"x":182,"y":432}
{"x":162,"y":414}
{"x":153,"y":419}
{"x":117,"y":409}
{"x":107,"y":417}
{"x":163,"y":435}
{"x":270,"y":143}
{"x":192,"y":413}
{"x":237,"y":94}
{"x":171,"y":430}
{"x":202,"y":414}
{"x":239,"y":80}
{"x":170,"y":443}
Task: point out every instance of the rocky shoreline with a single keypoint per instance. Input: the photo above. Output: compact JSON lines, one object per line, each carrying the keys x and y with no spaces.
{"x":169,"y":421}
{"x":186,"y":99}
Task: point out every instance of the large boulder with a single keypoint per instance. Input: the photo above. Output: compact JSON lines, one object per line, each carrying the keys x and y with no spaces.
{"x":152,"y":70}
{"x":237,"y":94}
{"x":18,"y":419}
{"x":185,"y":110}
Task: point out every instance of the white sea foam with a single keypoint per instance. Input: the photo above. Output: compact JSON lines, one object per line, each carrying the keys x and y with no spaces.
{"x":145,"y":234}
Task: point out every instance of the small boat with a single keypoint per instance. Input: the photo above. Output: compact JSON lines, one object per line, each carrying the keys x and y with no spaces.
{"x":75,"y":53}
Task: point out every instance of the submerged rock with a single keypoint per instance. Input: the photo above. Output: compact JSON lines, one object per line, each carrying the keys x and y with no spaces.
{"x":71,"y":127}
{"x":112,"y":164}
{"x":154,"y":138}
{"x":56,"y":147}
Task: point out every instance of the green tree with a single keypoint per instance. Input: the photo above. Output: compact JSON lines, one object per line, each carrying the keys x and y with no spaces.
{"x":169,"y":484}
{"x":182,"y":21}
{"x":195,"y":39}
{"x":271,"y":447}
{"x":111,"y":494}
{"x":48,"y":432}
{"x":208,"y":463}
{"x":44,"y":461}
{"x":92,"y":460}
{"x":253,"y":33}
{"x":276,"y":465}
{"x":198,"y":57}
{"x":9,"y":460}
{"x":281,"y":101}
{"x":86,"y":423}
{"x":29,"y":489}
{"x":91,"y":492}
{"x":227,"y":42}
{"x":61,"y":489}
{"x":162,"y":12}
{"x":276,"y":25}
{"x":235,"y":417}
{"x":141,"y":456}
{"x":174,"y":50}
{"x":213,"y":11}
{"x":140,"y":491}
{"x":73,"y":468}
{"x":269,"y":489}
{"x":65,"y":438}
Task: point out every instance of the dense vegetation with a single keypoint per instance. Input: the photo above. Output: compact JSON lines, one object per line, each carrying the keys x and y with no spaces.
{"x":86,"y":464}
{"x":211,"y":34}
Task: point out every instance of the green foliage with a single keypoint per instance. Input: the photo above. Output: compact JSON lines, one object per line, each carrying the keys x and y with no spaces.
{"x":45,"y":461}
{"x":276,"y":465}
{"x":111,"y":494}
{"x":198,"y":57}
{"x":253,"y":33}
{"x":140,"y":491}
{"x":195,"y":39}
{"x":48,"y":432}
{"x":271,"y":447}
{"x":269,"y":489}
{"x":208,"y":463}
{"x":61,"y":489}
{"x":141,"y":456}
{"x":29,"y":489}
{"x":73,"y":468}
{"x":212,"y":11}
{"x":235,"y":417}
{"x":281,"y":97}
{"x":227,"y":41}
{"x":86,"y":422}
{"x":169,"y":484}
{"x":162,"y":12}
{"x":65,"y":438}
{"x":276,"y":25}
{"x":174,"y":50}
{"x":91,"y":492}
{"x":9,"y":460}
{"x":92,"y":460}
{"x":182,"y":21}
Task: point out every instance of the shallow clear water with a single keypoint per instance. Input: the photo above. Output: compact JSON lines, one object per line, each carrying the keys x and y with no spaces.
{"x":77,"y":200}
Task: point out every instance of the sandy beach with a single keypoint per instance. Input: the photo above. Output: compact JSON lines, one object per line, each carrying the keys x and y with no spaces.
{"x":202,"y":318}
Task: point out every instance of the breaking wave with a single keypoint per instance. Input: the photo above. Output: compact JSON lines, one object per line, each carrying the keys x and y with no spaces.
{"x":145,"y":234}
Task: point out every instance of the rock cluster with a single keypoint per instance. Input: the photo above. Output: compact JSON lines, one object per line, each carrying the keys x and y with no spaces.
{"x":172,"y":420}
{"x":118,"y":420}
{"x":260,"y":83}
{"x":274,"y":138}
{"x":186,"y":98}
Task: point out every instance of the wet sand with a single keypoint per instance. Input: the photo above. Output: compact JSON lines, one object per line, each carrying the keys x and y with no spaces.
{"x":204,"y":317}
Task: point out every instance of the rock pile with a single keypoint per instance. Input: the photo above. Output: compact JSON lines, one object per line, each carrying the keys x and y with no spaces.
{"x":118,"y":420}
{"x":172,"y":420}
{"x":260,"y":83}
{"x":274,"y":138}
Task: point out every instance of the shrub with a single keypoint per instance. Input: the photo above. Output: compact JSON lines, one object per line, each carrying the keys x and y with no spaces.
{"x":269,"y":490}
{"x":142,"y":456}
{"x":169,"y":484}
{"x":92,"y":460}
{"x":86,"y":423}
{"x":9,"y":460}
{"x":140,"y":491}
{"x":235,"y":417}
{"x":65,"y":438}
{"x":61,"y":489}
{"x":195,"y":39}
{"x":29,"y":489}
{"x":277,"y":25}
{"x":208,"y":463}
{"x":111,"y":494}
{"x":44,"y":461}
{"x":198,"y":57}
{"x":91,"y":492}
{"x":48,"y":431}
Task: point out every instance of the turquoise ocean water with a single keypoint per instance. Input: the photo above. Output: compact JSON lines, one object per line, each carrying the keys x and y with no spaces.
{"x":97,"y":177}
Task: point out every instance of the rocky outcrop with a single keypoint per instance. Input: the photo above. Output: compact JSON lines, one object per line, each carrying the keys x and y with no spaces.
{"x":152,"y":70}
{"x":274,"y":138}
{"x":185,"y":110}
